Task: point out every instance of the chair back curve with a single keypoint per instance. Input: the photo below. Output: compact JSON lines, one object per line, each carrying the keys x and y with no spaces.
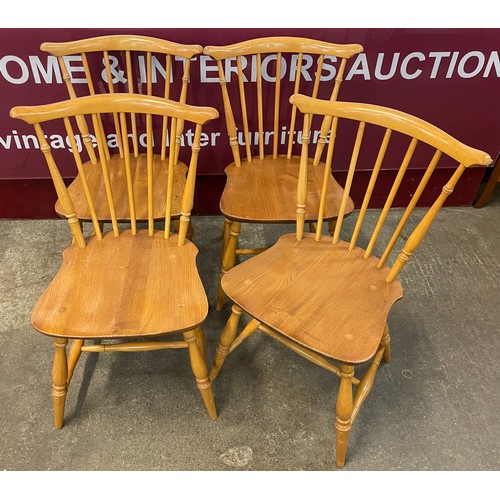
{"x":248,"y":76}
{"x":98,"y":112}
{"x":124,"y":63}
{"x":402,"y":139}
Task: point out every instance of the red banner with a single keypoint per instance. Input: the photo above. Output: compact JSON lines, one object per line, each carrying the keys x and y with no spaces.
{"x":449,"y":77}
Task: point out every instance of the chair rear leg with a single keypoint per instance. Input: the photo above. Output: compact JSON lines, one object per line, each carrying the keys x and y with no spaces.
{"x":344,"y":411}
{"x":59,"y":381}
{"x":386,"y":343}
{"x":225,"y":236}
{"x":228,"y":259}
{"x":331,"y":226}
{"x":202,"y":343}
{"x":225,"y":341}
{"x":190,"y":229}
{"x":74,"y":355}
{"x":200,"y":371}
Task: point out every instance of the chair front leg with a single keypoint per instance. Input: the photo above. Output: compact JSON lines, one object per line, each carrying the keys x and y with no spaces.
{"x":200,"y":371}
{"x":228,"y":260}
{"x":59,"y":381}
{"x":344,"y":411}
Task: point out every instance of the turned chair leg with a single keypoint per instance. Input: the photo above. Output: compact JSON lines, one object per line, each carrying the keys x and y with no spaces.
{"x":228,"y":260}
{"x":344,"y":411}
{"x":202,"y":343}
{"x":59,"y":381}
{"x":386,"y":343}
{"x":331,"y":226}
{"x":74,"y":355}
{"x":225,"y":341}
{"x":190,"y":229}
{"x":225,"y":236}
{"x":200,"y":371}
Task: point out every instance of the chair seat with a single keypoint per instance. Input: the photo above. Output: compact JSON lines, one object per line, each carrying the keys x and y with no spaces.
{"x":118,"y":180}
{"x":323,"y":296}
{"x":265,"y":190}
{"x":123,"y":286}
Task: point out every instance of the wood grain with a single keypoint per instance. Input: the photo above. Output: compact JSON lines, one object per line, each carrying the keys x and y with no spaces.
{"x":123,"y":286}
{"x":325,"y":297}
{"x":117,"y":174}
{"x":265,"y":191}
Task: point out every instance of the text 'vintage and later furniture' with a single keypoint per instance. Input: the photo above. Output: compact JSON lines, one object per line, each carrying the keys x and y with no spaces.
{"x":328,"y":298}
{"x":130,"y":284}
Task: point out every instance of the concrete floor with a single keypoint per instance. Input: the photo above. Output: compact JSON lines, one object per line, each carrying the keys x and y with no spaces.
{"x":434,"y":407}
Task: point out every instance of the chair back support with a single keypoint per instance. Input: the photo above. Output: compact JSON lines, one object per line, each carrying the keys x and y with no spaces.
{"x":97,"y":112}
{"x":124,"y":63}
{"x":253,"y":66}
{"x":387,"y":124}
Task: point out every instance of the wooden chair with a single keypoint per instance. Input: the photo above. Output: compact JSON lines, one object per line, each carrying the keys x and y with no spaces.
{"x":123,"y":285}
{"x":327,"y":298}
{"x":134,"y":64}
{"x":260,"y":187}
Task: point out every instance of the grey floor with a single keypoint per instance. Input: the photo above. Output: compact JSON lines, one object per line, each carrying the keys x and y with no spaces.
{"x":434,"y":407}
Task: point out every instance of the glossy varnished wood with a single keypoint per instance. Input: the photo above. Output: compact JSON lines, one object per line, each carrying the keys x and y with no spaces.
{"x":327,"y":298}
{"x":122,"y":286}
{"x":121,"y":42}
{"x":117,"y":174}
{"x":263,"y":190}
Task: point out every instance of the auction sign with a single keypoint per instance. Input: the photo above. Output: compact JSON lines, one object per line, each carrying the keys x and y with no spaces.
{"x":449,"y":77}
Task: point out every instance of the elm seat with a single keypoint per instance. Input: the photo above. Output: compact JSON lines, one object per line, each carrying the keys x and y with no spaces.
{"x":126,"y":286}
{"x":326,"y":298}
{"x":245,"y":200}
{"x":117,"y":175}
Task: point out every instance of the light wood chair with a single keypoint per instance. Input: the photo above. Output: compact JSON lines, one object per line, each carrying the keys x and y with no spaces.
{"x":125,"y":287}
{"x":134,"y":64}
{"x":263,"y":128}
{"x":328,"y":298}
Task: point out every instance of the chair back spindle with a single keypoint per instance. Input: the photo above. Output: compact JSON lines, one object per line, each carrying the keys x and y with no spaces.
{"x":131,"y":60}
{"x":424,"y":138}
{"x":301,"y":60}
{"x":153,"y":110}
{"x":60,"y":187}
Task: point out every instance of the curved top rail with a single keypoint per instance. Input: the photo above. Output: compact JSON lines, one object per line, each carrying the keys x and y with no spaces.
{"x":275,"y":44}
{"x":121,"y":42}
{"x":114,"y":103}
{"x":395,"y":120}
